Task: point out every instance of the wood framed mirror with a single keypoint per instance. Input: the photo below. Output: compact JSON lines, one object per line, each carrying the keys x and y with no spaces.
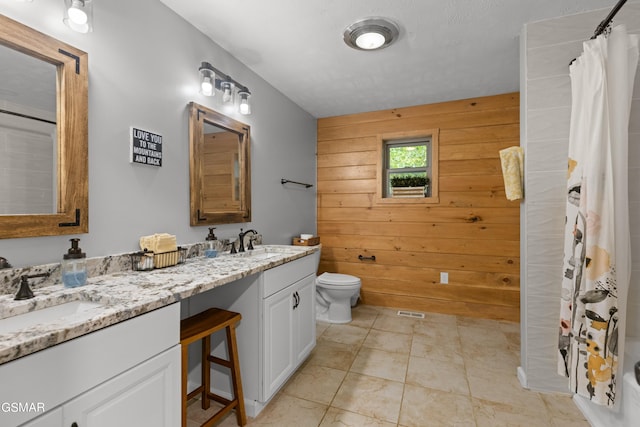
{"x":44,"y":174}
{"x":219,"y":166}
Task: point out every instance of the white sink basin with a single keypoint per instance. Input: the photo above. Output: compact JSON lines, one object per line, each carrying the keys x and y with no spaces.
{"x":70,"y":311}
{"x":262,"y":253}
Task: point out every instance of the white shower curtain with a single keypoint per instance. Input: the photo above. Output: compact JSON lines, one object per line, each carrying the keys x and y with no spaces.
{"x":597,"y":256}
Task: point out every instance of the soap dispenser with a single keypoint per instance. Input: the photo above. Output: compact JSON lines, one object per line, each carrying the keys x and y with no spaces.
{"x":210,"y":247}
{"x":74,"y":266}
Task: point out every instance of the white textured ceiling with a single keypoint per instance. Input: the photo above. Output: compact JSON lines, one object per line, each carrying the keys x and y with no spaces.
{"x":447,"y":49}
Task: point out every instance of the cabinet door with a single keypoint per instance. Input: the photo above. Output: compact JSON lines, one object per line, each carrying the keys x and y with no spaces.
{"x":49,"y":419}
{"x":304,"y":318}
{"x":278,"y":341}
{"x":146,"y":395}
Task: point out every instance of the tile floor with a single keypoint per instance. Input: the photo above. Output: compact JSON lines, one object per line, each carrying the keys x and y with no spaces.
{"x":384,"y":370}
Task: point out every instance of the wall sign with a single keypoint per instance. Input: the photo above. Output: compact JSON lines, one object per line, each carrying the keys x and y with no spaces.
{"x":146,"y":147}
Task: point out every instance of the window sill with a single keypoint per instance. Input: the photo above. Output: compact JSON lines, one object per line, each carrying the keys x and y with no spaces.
{"x":407,"y":200}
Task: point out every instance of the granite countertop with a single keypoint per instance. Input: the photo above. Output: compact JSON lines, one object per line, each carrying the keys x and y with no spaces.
{"x":126,"y":294}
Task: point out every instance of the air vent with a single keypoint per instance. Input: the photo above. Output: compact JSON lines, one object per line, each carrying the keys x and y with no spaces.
{"x":412,"y":314}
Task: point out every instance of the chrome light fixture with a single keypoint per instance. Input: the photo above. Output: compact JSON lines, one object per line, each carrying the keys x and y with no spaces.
{"x":211,"y":79}
{"x":371,"y":34}
{"x":78,"y":15}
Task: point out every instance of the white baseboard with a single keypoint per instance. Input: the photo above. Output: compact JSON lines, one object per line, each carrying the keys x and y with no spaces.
{"x":522,"y":377}
{"x":253,"y":408}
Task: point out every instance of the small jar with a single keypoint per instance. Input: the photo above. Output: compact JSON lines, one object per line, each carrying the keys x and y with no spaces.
{"x":74,"y":266}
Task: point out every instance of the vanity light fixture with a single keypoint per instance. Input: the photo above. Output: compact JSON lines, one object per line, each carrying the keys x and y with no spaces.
{"x":211,"y":79}
{"x":371,"y":33}
{"x":78,"y":15}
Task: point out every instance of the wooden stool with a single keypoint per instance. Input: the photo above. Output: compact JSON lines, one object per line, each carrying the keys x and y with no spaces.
{"x":201,"y":326}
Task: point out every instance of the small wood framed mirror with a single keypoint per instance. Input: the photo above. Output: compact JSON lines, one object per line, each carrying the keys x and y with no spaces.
{"x":219,"y":168}
{"x":44,"y":123}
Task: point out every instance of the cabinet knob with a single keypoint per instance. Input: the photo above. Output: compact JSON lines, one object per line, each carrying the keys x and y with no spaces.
{"x":74,"y":424}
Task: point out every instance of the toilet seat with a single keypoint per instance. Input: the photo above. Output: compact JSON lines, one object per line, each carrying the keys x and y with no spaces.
{"x":337,"y":280}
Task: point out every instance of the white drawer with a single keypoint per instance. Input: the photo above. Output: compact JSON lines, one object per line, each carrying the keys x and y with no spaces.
{"x":284,"y":275}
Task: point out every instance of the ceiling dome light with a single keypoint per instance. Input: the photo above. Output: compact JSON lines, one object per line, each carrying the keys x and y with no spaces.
{"x":371,"y":34}
{"x":370,"y":41}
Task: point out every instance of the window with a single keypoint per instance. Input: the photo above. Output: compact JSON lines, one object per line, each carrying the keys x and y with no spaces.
{"x":408,"y":167}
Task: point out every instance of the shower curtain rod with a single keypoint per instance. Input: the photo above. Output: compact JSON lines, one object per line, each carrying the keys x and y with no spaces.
{"x":13,"y":113}
{"x":601,"y":28}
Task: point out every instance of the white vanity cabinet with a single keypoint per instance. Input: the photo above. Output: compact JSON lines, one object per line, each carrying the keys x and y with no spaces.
{"x":276,"y":333}
{"x":49,"y":419}
{"x":288,"y":321}
{"x":143,"y":396}
{"x":125,"y":374}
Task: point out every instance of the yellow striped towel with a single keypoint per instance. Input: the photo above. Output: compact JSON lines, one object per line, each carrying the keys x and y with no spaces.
{"x":512,"y":160}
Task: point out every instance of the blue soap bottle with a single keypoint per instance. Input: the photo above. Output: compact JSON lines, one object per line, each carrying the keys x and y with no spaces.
{"x":74,"y":266}
{"x":210,"y":246}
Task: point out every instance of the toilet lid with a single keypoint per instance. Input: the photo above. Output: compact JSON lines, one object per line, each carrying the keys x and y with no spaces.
{"x":338,"y":279}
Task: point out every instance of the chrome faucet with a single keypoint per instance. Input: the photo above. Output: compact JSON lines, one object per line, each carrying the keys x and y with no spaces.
{"x":241,"y":240}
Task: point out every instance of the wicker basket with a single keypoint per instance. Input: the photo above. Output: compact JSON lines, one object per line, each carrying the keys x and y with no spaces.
{"x":146,"y":260}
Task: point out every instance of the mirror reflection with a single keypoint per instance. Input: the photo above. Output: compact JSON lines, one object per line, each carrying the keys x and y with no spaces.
{"x":43,"y":134}
{"x":221,"y":185}
{"x":219,"y":168}
{"x":28,"y":138}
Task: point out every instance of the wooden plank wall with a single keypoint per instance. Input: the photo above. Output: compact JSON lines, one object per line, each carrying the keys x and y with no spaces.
{"x":473,"y":233}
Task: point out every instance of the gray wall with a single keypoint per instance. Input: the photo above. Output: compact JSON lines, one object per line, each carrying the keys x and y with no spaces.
{"x":143,"y":72}
{"x":547,"y":48}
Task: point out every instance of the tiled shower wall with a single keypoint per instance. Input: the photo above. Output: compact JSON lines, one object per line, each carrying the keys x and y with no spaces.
{"x":547,"y":47}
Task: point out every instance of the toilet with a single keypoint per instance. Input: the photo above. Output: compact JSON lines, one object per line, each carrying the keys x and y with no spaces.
{"x":335,"y":295}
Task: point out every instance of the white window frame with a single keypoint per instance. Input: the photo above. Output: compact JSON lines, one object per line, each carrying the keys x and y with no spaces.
{"x":409,"y":138}
{"x":426,"y":141}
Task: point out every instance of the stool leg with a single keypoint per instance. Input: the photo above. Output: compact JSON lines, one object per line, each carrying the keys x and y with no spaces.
{"x":185,"y":374}
{"x":235,"y":374}
{"x":206,"y":371}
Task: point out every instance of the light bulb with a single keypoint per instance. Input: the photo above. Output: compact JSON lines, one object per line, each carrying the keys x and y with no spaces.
{"x":370,"y":41}
{"x":76,"y":13}
{"x":206,"y":87}
{"x":226,"y":96}
{"x":227,"y":92}
{"x":244,"y":107}
{"x":207,"y":79}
